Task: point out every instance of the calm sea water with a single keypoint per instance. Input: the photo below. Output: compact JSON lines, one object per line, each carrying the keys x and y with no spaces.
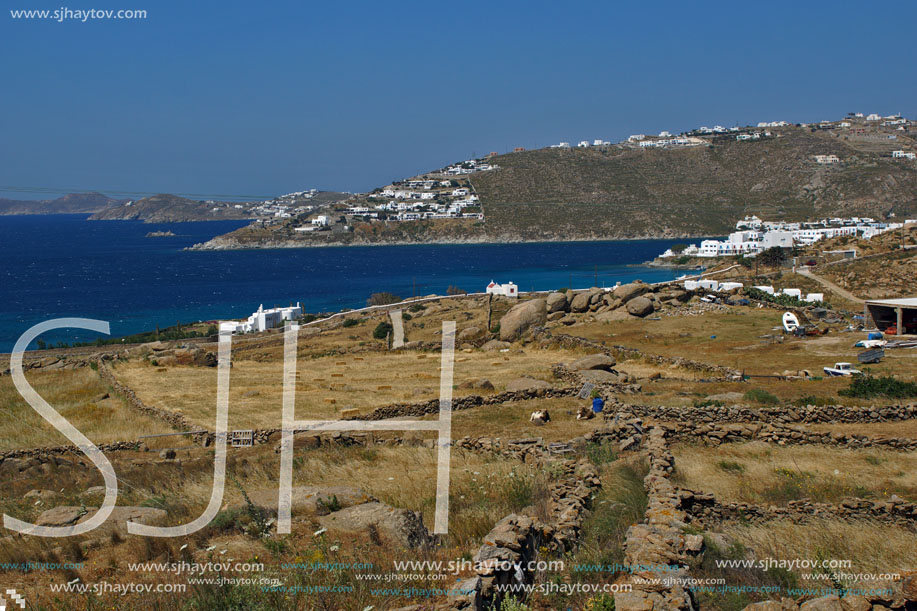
{"x":64,"y":265}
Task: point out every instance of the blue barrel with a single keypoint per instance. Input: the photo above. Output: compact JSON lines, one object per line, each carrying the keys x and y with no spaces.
{"x":597,"y":404}
{"x":874,"y":335}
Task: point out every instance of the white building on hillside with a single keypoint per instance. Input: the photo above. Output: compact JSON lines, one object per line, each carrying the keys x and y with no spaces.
{"x":507,"y":290}
{"x":262,"y":320}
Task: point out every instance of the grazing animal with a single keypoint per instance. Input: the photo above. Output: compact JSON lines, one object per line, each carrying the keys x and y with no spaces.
{"x":540,"y":417}
{"x":585,"y":413}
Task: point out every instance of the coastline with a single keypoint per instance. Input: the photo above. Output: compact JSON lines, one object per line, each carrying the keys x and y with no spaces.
{"x":219,"y":243}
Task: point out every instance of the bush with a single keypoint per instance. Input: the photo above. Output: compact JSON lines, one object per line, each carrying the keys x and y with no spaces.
{"x":382,"y":330}
{"x":868,"y":386}
{"x":383,"y":298}
{"x":351,"y":322}
{"x":454,"y":290}
{"x":761,"y":396}
{"x":730,"y":466}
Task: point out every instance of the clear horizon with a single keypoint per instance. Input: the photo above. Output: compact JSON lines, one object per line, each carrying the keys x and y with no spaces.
{"x":231,"y":100}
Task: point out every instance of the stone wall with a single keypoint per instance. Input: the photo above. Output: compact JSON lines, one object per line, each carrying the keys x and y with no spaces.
{"x":659,"y":539}
{"x":716,"y":434}
{"x":504,"y":556}
{"x":707,"y":510}
{"x":812,"y":414}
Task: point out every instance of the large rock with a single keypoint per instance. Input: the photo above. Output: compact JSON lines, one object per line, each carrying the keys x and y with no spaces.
{"x":520,"y":384}
{"x":582,"y":301}
{"x":639,"y":306}
{"x":469,"y":333}
{"x":69,"y":515}
{"x":311,"y":500}
{"x":556,"y":302}
{"x":600,"y":376}
{"x":495,"y":344}
{"x":626,"y":292}
{"x":401,"y":527}
{"x":828,"y":603}
{"x":521,"y":318}
{"x":594,"y":361}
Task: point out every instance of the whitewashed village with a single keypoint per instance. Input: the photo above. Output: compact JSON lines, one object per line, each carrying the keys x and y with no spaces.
{"x":754,"y":235}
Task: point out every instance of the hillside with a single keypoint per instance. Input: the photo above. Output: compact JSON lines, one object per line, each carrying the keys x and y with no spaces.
{"x":627,"y":192}
{"x":74,"y":203}
{"x":623,"y":191}
{"x":165,"y":208}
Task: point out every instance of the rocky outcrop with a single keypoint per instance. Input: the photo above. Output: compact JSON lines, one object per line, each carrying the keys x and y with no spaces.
{"x":594,"y":361}
{"x":521,"y":318}
{"x":639,"y":306}
{"x":381,"y":523}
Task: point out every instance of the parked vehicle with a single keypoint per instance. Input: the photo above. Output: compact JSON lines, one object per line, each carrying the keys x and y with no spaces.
{"x":841,"y":369}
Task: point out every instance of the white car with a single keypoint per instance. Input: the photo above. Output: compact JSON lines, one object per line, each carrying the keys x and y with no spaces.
{"x":842,"y":369}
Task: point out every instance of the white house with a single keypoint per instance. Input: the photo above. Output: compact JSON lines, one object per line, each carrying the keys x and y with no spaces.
{"x":460,"y":192}
{"x":665,"y":134}
{"x":826,"y":159}
{"x":320,"y":221}
{"x":904,"y":155}
{"x":262,"y":320}
{"x":507,"y":290}
{"x":583,"y":144}
{"x":873,"y":117}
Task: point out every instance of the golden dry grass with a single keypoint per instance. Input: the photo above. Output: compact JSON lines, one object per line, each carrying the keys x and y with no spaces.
{"x":871,"y":547}
{"x":763,"y":473}
{"x":511,"y":420}
{"x":326,"y":384}
{"x":73,"y":393}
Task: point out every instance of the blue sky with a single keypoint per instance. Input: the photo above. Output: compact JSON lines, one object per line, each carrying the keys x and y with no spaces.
{"x":265,"y":98}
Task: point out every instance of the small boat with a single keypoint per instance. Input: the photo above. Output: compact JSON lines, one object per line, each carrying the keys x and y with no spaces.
{"x":790,"y":322}
{"x":841,"y":370}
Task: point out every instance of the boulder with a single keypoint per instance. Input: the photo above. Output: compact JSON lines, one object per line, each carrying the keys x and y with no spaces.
{"x":595,"y":361}
{"x":626,"y":292}
{"x":495,"y":344}
{"x":401,"y":527}
{"x":639,"y":306}
{"x":767,"y":605}
{"x":556,"y":316}
{"x":311,"y":500}
{"x":167,"y":454}
{"x":520,"y":384}
{"x":600,"y":376}
{"x":469,"y":333}
{"x":70,"y":515}
{"x":556,"y":302}
{"x":582,"y":300}
{"x":41,"y":495}
{"x":828,"y":603}
{"x":521,"y":318}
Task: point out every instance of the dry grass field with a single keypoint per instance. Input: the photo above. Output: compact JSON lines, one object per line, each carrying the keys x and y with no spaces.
{"x":327,"y":384}
{"x":758,"y":472}
{"x":77,"y":395}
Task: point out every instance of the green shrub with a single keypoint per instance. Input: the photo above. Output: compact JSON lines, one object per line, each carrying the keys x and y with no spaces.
{"x":351,"y":322}
{"x":761,"y":396}
{"x":868,"y":386}
{"x":382,"y":330}
{"x":730,"y":466}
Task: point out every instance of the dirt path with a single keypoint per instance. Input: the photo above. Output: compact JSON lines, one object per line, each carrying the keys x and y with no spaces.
{"x":829,"y":285}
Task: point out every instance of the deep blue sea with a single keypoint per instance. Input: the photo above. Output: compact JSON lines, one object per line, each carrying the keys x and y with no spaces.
{"x":64,"y":265}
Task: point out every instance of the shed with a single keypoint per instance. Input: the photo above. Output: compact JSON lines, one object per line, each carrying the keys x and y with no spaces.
{"x":900,"y":313}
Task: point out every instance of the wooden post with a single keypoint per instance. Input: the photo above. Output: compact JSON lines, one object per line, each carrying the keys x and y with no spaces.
{"x":490,"y":299}
{"x":900,"y":320}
